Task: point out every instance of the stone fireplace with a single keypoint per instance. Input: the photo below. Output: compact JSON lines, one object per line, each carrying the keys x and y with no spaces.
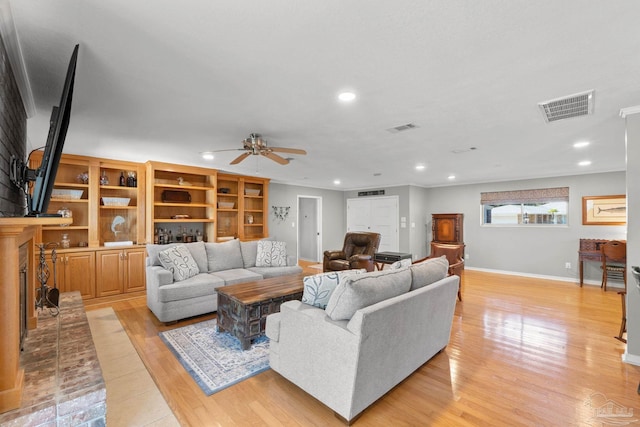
{"x":57,"y":379}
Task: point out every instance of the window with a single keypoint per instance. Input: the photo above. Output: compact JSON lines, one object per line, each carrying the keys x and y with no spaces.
{"x":546,"y":206}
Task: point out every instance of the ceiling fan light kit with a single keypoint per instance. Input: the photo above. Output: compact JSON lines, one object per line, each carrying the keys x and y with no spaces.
{"x":255,"y":145}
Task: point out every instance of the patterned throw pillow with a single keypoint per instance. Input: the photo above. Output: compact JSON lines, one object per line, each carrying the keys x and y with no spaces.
{"x":271,"y":254}
{"x":179,"y":261}
{"x":319,"y":287}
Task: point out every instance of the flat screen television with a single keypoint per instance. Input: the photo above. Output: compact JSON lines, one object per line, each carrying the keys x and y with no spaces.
{"x":44,"y":176}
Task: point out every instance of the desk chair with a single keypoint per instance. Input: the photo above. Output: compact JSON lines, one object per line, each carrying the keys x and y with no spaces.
{"x":614,"y":262}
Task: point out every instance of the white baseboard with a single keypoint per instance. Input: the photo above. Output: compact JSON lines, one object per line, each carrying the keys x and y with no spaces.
{"x":632,"y":359}
{"x":571,"y":280}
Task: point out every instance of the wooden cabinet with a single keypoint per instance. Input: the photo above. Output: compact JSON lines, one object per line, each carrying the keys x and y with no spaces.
{"x":180,"y":199}
{"x":74,"y":271}
{"x":104,"y":212}
{"x":447,"y":228}
{"x":119,"y":271}
{"x":242,"y":207}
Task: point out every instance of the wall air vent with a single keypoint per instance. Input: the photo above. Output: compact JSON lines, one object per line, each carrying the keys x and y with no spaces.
{"x":579,"y":104}
{"x":402,"y":128}
{"x":371,"y":193}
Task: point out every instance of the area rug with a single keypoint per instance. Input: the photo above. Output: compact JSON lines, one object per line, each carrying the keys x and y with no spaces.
{"x":216,"y":360}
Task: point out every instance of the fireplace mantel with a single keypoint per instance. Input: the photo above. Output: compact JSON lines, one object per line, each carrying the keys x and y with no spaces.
{"x":15,"y":232}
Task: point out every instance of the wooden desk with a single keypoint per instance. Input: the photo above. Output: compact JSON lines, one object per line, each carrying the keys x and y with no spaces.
{"x":589,"y":251}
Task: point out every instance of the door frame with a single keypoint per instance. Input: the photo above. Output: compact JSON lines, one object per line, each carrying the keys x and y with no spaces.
{"x":318,"y":231}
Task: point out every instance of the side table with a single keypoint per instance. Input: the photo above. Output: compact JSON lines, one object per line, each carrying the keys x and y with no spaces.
{"x":381,"y":258}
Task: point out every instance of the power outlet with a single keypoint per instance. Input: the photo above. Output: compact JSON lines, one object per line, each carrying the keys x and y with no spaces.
{"x":466,"y":256}
{"x":567,"y":265}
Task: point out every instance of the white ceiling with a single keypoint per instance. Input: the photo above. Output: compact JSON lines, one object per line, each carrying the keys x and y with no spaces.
{"x":166,"y":80}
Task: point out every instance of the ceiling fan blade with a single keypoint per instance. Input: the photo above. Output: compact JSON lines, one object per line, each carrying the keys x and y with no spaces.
{"x":287,"y":150}
{"x":228,"y":149}
{"x":275,"y":157}
{"x":240,"y":158}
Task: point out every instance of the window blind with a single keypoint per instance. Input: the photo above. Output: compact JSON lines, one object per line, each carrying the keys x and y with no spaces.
{"x":541,"y":195}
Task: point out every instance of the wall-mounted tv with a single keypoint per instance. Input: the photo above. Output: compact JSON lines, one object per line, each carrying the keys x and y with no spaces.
{"x":44,"y":176}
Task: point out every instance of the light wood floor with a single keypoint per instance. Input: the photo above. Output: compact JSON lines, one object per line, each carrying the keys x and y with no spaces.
{"x":522,"y":352}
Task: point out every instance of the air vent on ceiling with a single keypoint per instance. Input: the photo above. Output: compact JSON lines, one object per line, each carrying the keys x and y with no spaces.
{"x":402,"y":128}
{"x":579,"y":104}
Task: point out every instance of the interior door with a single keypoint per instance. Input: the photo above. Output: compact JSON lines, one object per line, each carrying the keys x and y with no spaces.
{"x":309,"y":228}
{"x":379,"y":215}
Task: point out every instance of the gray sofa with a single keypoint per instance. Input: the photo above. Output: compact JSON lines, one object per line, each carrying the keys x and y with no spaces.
{"x":348,"y":361}
{"x":218,"y":264}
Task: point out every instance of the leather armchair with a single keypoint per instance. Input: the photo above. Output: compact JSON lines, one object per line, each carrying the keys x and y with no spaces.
{"x":357,"y":252}
{"x":455,"y":256}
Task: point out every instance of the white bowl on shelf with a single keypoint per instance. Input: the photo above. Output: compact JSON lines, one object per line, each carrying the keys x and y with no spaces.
{"x":63,"y":193}
{"x":116,"y":201}
{"x":226,"y":205}
{"x":252,"y":191}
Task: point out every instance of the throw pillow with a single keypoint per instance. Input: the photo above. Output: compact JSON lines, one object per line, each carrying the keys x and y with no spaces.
{"x":179,"y":261}
{"x":271,"y":254}
{"x":224,"y":255}
{"x":317,"y":289}
{"x":428,"y":271}
{"x":362,"y":291}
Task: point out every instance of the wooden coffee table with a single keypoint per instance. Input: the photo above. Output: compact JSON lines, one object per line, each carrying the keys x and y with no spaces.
{"x":243,"y":308}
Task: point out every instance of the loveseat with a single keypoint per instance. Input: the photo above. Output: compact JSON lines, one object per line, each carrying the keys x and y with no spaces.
{"x":186,"y":285}
{"x":376,"y":330}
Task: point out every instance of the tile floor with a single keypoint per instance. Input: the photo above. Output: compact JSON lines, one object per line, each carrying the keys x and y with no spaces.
{"x":132,"y":397}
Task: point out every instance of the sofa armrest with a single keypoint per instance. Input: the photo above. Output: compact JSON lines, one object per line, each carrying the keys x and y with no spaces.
{"x":158,"y":276}
{"x":361,"y":261}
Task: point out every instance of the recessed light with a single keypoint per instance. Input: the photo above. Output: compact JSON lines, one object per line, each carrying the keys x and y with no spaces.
{"x":336,"y":182}
{"x":580,"y":144}
{"x":347,"y":96}
{"x":420,"y":167}
{"x":207,"y":155}
{"x":451,"y":177}
{"x":584,"y":163}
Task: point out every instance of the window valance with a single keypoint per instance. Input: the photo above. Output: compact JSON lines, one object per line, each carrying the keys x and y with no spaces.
{"x":541,"y":195}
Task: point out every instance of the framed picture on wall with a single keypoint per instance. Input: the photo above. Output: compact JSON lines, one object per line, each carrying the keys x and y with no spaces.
{"x":604,"y":210}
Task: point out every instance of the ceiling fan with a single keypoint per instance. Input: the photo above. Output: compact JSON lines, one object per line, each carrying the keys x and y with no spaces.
{"x":255,"y":145}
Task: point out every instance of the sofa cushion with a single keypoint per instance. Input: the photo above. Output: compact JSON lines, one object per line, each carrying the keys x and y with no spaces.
{"x":196,"y":249}
{"x":236,"y":275}
{"x":249,"y":251}
{"x":268,"y":272}
{"x":224,"y":256}
{"x":179,"y":261}
{"x":319,"y":287}
{"x":197,"y":286}
{"x":428,"y":271}
{"x":271,"y":254}
{"x":364,"y":290}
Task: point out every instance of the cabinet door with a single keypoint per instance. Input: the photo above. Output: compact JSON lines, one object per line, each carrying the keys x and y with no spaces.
{"x":135,"y":270}
{"x":447,"y":228}
{"x":79,"y":274}
{"x":109,"y":272}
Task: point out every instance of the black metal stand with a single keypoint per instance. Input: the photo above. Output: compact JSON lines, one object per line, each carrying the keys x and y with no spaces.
{"x":47,"y":297}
